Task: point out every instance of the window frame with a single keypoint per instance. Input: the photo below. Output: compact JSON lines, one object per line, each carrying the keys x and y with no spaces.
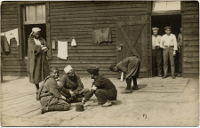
{"x":21,"y":24}
{"x":166,"y":10}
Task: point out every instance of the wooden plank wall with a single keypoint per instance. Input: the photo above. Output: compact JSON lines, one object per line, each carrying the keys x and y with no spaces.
{"x":79,"y":19}
{"x":191,"y":39}
{"x":12,"y":65}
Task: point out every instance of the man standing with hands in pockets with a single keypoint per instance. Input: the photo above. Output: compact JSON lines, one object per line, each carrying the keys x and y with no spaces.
{"x":169,"y":45}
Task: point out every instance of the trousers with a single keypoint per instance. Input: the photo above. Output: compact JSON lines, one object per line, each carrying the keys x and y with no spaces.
{"x":156,"y":61}
{"x":168,"y":54}
{"x":104,"y":95}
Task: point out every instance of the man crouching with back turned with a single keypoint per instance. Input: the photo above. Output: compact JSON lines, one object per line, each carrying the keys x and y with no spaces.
{"x":102,"y":87}
{"x":49,"y":95}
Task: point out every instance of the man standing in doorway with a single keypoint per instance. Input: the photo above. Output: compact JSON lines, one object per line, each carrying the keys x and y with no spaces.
{"x":156,"y":52}
{"x":180,"y":43}
{"x":169,"y":45}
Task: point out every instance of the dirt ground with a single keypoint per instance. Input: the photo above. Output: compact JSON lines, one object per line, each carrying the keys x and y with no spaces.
{"x":159,"y":102}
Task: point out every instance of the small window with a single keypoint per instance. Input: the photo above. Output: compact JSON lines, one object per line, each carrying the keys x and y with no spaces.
{"x":34,"y":14}
{"x":166,"y":5}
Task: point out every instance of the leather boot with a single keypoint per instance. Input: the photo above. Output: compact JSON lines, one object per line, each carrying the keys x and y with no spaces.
{"x":128,"y":88}
{"x":135,"y":87}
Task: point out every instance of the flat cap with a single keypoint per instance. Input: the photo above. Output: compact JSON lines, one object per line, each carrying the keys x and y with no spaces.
{"x":155,"y":28}
{"x":92,"y":69}
{"x":167,"y":27}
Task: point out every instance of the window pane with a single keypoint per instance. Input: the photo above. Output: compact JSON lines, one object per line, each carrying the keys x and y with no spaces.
{"x":159,"y":6}
{"x":30,"y":13}
{"x":166,"y":6}
{"x":40,"y":12}
{"x":173,"y":5}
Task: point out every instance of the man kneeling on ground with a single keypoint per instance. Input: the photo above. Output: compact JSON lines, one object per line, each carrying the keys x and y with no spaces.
{"x":71,"y":82}
{"x":49,"y":96}
{"x":102,"y":87}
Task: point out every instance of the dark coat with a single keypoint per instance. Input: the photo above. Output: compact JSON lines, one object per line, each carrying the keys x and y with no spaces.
{"x":130,"y":66}
{"x":49,"y":94}
{"x":38,"y":66}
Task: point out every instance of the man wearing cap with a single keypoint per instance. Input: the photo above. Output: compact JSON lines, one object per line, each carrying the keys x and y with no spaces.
{"x":156,"y":52}
{"x":50,"y":97}
{"x":102,"y":87}
{"x":130,"y":66}
{"x":38,"y":67}
{"x":169,"y":45}
{"x":72,"y":82}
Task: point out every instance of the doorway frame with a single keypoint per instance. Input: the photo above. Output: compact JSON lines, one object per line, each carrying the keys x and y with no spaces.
{"x":157,"y":13}
{"x":21,"y":31}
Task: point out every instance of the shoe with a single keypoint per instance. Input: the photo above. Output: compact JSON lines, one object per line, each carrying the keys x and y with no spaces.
{"x":173,"y":77}
{"x":135,"y":88}
{"x":127,"y":91}
{"x":164,"y":77}
{"x":107,"y":104}
{"x":44,"y":110}
{"x":160,"y":75}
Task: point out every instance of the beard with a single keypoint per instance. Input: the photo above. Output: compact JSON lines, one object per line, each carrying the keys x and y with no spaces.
{"x":73,"y":78}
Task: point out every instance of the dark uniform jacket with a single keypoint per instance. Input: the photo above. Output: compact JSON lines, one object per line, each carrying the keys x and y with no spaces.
{"x":101,"y":82}
{"x":49,"y":94}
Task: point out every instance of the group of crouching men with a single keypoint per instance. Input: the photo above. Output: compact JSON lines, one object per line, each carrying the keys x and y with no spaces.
{"x":56,"y":94}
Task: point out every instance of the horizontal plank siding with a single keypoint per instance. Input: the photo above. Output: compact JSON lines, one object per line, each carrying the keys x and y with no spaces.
{"x":79,"y":19}
{"x":191,"y":39}
{"x":9,"y":21}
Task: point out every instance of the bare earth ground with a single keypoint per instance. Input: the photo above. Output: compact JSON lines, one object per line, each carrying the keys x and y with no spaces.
{"x":159,"y":102}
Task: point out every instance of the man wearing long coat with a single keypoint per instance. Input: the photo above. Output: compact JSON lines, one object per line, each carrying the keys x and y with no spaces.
{"x":38,"y":67}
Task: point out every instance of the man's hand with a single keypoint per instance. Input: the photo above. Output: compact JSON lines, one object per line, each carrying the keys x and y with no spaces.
{"x":62,"y":97}
{"x":83,"y":101}
{"x":94,"y":87}
{"x":174,"y":53}
{"x":44,"y":48}
{"x":72,"y":93}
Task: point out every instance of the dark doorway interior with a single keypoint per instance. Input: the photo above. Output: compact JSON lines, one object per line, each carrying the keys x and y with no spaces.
{"x":174,"y":21}
{"x":28,"y":30}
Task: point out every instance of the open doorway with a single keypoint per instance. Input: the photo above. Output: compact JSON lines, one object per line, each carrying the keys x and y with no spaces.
{"x":28,"y":30}
{"x":175,"y":22}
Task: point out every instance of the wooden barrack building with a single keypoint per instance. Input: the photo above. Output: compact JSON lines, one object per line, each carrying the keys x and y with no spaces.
{"x":130,"y":24}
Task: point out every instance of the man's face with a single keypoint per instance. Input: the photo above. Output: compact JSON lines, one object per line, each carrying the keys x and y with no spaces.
{"x":55,"y":74}
{"x":155,"y":32}
{"x":71,"y":73}
{"x":168,"y":31}
{"x":36,"y":34}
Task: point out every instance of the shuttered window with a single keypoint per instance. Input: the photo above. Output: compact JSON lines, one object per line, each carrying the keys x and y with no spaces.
{"x":34,"y":14}
{"x":166,"y":5}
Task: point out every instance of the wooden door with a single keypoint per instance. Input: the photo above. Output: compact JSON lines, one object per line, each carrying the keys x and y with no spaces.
{"x":133,"y":38}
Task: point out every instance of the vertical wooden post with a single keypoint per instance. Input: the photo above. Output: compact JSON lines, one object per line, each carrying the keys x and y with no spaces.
{"x":48,"y":31}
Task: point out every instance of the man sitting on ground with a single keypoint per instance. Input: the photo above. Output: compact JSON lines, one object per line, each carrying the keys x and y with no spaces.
{"x":49,"y":96}
{"x":102,"y":87}
{"x":72,"y":82}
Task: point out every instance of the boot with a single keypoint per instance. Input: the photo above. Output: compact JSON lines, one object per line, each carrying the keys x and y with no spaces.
{"x":135,"y":87}
{"x":128,"y":88}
